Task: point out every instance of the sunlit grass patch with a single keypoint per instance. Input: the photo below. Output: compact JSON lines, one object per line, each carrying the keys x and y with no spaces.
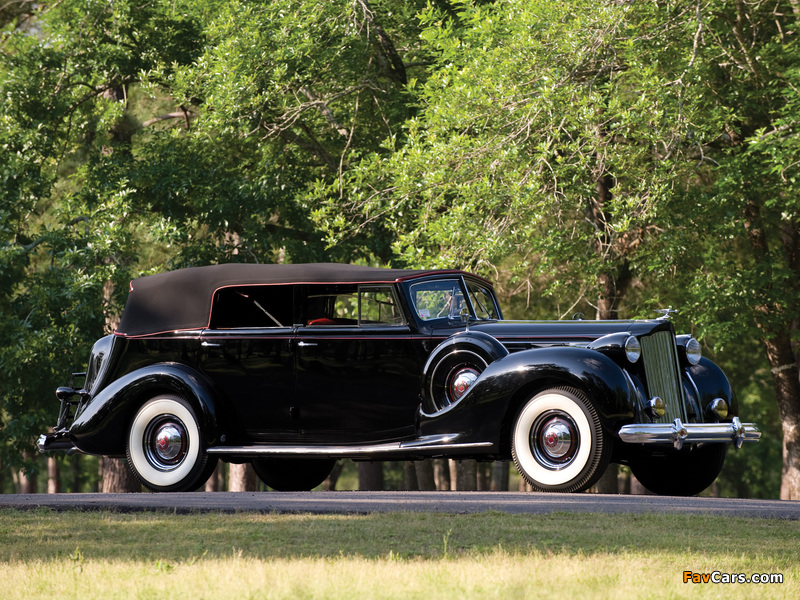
{"x":154,"y":555}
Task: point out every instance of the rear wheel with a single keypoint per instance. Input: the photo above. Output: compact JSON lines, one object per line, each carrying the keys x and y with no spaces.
{"x":164,"y":446}
{"x":684,"y":473}
{"x":558,"y":443}
{"x":293,"y":474}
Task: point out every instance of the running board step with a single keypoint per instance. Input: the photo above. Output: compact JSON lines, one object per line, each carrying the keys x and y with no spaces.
{"x":432,"y":445}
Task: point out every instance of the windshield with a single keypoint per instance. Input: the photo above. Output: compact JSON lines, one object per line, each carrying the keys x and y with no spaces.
{"x":442,"y":298}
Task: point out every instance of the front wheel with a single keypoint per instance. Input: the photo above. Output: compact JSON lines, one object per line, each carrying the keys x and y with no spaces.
{"x":293,"y":474}
{"x":164,"y":447}
{"x":684,"y":473}
{"x":558,"y":443}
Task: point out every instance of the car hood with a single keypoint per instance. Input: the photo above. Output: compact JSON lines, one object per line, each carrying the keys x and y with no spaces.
{"x":518,"y":335}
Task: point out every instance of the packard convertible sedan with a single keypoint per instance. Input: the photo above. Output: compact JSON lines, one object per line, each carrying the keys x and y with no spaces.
{"x":292,"y":367}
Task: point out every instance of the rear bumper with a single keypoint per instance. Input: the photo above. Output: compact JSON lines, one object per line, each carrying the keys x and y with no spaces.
{"x":677,"y":433}
{"x":58,"y":441}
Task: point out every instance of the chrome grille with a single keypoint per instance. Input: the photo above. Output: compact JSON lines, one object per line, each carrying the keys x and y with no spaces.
{"x":663,"y":376}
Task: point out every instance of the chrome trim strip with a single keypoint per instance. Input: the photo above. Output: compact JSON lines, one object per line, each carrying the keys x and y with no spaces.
{"x":678,"y":433}
{"x":427,"y":445}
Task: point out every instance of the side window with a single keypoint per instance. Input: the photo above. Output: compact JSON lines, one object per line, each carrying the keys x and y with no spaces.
{"x":331,"y":305}
{"x":379,"y":306}
{"x":482,"y":301}
{"x":252,"y":307}
{"x":348,"y":305}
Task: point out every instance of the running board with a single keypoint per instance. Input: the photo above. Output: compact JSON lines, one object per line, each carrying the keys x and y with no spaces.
{"x":432,"y":445}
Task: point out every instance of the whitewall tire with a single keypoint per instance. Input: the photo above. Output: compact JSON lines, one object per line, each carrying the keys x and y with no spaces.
{"x":558,"y":443}
{"x":164,"y":446}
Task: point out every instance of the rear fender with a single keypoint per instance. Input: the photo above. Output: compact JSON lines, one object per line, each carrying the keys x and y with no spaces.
{"x":101,"y":426}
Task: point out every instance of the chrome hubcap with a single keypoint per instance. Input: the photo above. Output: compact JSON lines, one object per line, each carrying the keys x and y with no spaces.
{"x":166,"y":443}
{"x":554,"y":440}
{"x":462,"y":381}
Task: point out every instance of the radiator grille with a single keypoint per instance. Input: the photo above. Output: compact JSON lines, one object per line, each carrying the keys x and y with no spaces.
{"x":663,"y":377}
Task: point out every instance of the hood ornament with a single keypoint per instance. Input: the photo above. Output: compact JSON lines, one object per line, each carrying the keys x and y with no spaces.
{"x":666,"y":313}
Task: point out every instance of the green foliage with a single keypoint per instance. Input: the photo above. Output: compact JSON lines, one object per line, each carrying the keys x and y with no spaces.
{"x":642,"y":153}
{"x":136,"y":135}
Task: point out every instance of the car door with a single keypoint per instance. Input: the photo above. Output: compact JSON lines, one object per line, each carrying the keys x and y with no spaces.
{"x":247,"y":352}
{"x":357,"y":365}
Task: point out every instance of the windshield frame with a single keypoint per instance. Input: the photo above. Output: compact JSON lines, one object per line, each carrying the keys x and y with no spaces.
{"x":424,"y":315}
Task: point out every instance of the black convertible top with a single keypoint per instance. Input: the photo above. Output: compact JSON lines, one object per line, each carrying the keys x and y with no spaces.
{"x":182,"y":299}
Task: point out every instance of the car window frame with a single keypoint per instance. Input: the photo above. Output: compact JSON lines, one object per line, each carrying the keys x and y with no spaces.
{"x":361,"y":288}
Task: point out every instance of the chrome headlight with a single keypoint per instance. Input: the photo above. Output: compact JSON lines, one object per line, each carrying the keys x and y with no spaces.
{"x":693,"y":351}
{"x":633,"y":349}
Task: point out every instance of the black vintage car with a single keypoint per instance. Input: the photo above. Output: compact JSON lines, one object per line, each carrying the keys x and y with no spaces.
{"x":292,"y":367}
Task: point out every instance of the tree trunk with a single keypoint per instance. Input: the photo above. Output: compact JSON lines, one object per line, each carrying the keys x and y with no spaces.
{"x":53,"y":476}
{"x":787,"y":391}
{"x":608,"y":483}
{"x":441,"y":474}
{"x":216,"y":482}
{"x":242,"y":478}
{"x":467,"y":475}
{"x":27,"y":482}
{"x":75,"y":473}
{"x":453,"y":466}
{"x":370,"y":476}
{"x":637,"y":488}
{"x":118,"y":478}
{"x":330,"y":481}
{"x":778,"y":347}
{"x":426,"y":479}
{"x":499,"y":481}
{"x":410,"y":476}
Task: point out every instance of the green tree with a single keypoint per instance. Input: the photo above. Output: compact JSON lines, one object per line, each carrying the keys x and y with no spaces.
{"x":738,"y":83}
{"x":605,"y":144}
{"x":135,"y":134}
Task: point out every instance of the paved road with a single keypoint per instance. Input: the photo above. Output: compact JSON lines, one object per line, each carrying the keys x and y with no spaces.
{"x":381,"y":502}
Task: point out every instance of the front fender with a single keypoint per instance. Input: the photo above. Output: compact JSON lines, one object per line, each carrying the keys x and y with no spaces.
{"x":709,"y":382}
{"x":497,"y":395}
{"x":101,"y":425}
{"x":489,"y":346}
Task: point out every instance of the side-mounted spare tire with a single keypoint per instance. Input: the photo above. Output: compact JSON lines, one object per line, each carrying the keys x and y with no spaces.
{"x":455,"y":365}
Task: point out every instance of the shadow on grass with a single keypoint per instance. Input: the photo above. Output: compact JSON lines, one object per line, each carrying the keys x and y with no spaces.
{"x":48,"y":535}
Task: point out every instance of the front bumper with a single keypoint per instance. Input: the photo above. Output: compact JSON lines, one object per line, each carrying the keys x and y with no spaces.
{"x":677,"y":433}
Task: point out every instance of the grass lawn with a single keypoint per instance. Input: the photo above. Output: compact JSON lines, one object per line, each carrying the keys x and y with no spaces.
{"x":94,"y":555}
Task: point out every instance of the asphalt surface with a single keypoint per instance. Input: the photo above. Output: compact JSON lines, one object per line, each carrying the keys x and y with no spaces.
{"x":384,"y":502}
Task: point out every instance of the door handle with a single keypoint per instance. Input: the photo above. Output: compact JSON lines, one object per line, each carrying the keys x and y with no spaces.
{"x":305,"y":344}
{"x":205,"y":344}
